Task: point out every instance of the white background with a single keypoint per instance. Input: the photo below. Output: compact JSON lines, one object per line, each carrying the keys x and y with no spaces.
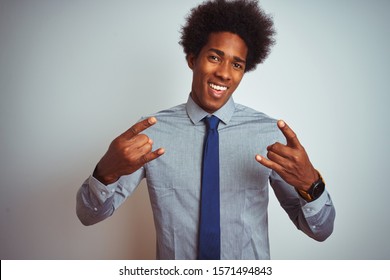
{"x":75,"y":74}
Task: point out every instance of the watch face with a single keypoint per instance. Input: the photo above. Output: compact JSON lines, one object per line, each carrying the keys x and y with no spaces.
{"x":318,"y":189}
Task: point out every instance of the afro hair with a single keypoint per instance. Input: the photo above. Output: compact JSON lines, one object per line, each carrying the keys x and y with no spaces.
{"x":242,"y":17}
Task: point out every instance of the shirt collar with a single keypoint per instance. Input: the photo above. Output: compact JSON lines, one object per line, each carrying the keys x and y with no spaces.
{"x":197,"y":114}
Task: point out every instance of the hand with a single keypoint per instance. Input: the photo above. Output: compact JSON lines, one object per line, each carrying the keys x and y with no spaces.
{"x":290,"y":161}
{"x":127,"y":153}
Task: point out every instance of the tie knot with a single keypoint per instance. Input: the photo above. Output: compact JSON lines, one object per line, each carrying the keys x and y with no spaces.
{"x":212,"y":122}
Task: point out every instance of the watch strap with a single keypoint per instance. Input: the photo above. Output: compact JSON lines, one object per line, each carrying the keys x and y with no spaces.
{"x":311,"y":194}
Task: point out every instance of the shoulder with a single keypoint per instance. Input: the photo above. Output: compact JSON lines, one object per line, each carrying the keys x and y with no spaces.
{"x":244,"y":113}
{"x":169,"y":121}
{"x":170,"y":114}
{"x":255,"y":121}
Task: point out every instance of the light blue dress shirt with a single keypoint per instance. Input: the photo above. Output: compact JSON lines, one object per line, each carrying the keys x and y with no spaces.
{"x":174,"y":183}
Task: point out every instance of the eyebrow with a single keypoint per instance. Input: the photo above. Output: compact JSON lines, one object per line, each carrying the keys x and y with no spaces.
{"x":221,"y":53}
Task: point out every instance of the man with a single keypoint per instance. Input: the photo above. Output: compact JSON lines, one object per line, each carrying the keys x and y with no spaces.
{"x":208,"y":186}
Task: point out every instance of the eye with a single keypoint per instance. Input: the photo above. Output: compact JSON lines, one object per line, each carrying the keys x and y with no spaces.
{"x":214,"y":58}
{"x":237,"y":66}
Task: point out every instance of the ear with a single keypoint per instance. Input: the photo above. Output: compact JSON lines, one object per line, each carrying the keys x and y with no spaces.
{"x":191,"y":60}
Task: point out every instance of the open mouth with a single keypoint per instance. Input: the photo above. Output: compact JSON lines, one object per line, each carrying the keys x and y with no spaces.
{"x":218,"y":88}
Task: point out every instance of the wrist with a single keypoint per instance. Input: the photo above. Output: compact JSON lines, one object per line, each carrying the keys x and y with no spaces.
{"x":106,"y":180}
{"x":315,"y":175}
{"x":314,"y":191}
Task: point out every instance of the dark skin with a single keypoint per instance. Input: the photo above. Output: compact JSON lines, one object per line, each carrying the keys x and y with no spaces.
{"x":217,"y":72}
{"x":127,"y":153}
{"x":290,"y":161}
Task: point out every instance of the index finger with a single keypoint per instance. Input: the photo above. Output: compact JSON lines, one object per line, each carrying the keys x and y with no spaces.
{"x":139,"y":127}
{"x":291,"y":137}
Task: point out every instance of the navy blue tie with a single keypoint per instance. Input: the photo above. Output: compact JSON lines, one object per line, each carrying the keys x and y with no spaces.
{"x":209,"y":228}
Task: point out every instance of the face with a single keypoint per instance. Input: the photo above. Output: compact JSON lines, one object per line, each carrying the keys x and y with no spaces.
{"x":217,"y":70}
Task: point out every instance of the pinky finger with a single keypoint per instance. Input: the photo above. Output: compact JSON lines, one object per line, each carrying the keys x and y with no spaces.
{"x":268,"y":163}
{"x":153,"y":155}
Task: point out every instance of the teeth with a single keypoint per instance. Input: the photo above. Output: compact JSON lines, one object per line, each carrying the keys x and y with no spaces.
{"x":217,"y":87}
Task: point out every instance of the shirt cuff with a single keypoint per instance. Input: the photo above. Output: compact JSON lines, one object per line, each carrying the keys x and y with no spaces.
{"x":101,"y":191}
{"x":312,"y":208}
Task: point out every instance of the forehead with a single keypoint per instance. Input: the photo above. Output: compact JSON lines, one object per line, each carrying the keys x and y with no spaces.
{"x":229,"y":43}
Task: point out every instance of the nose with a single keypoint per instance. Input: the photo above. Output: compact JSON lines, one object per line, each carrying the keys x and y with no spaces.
{"x":224,"y":71}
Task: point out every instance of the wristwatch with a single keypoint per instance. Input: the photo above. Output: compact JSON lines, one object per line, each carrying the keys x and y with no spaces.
{"x":315,"y":191}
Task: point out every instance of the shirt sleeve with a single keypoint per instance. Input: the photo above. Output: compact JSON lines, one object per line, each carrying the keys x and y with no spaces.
{"x":96,"y":201}
{"x":316,"y":218}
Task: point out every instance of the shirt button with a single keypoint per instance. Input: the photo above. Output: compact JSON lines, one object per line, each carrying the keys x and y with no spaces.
{"x":103,"y":193}
{"x":112,"y":190}
{"x":95,"y":209}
